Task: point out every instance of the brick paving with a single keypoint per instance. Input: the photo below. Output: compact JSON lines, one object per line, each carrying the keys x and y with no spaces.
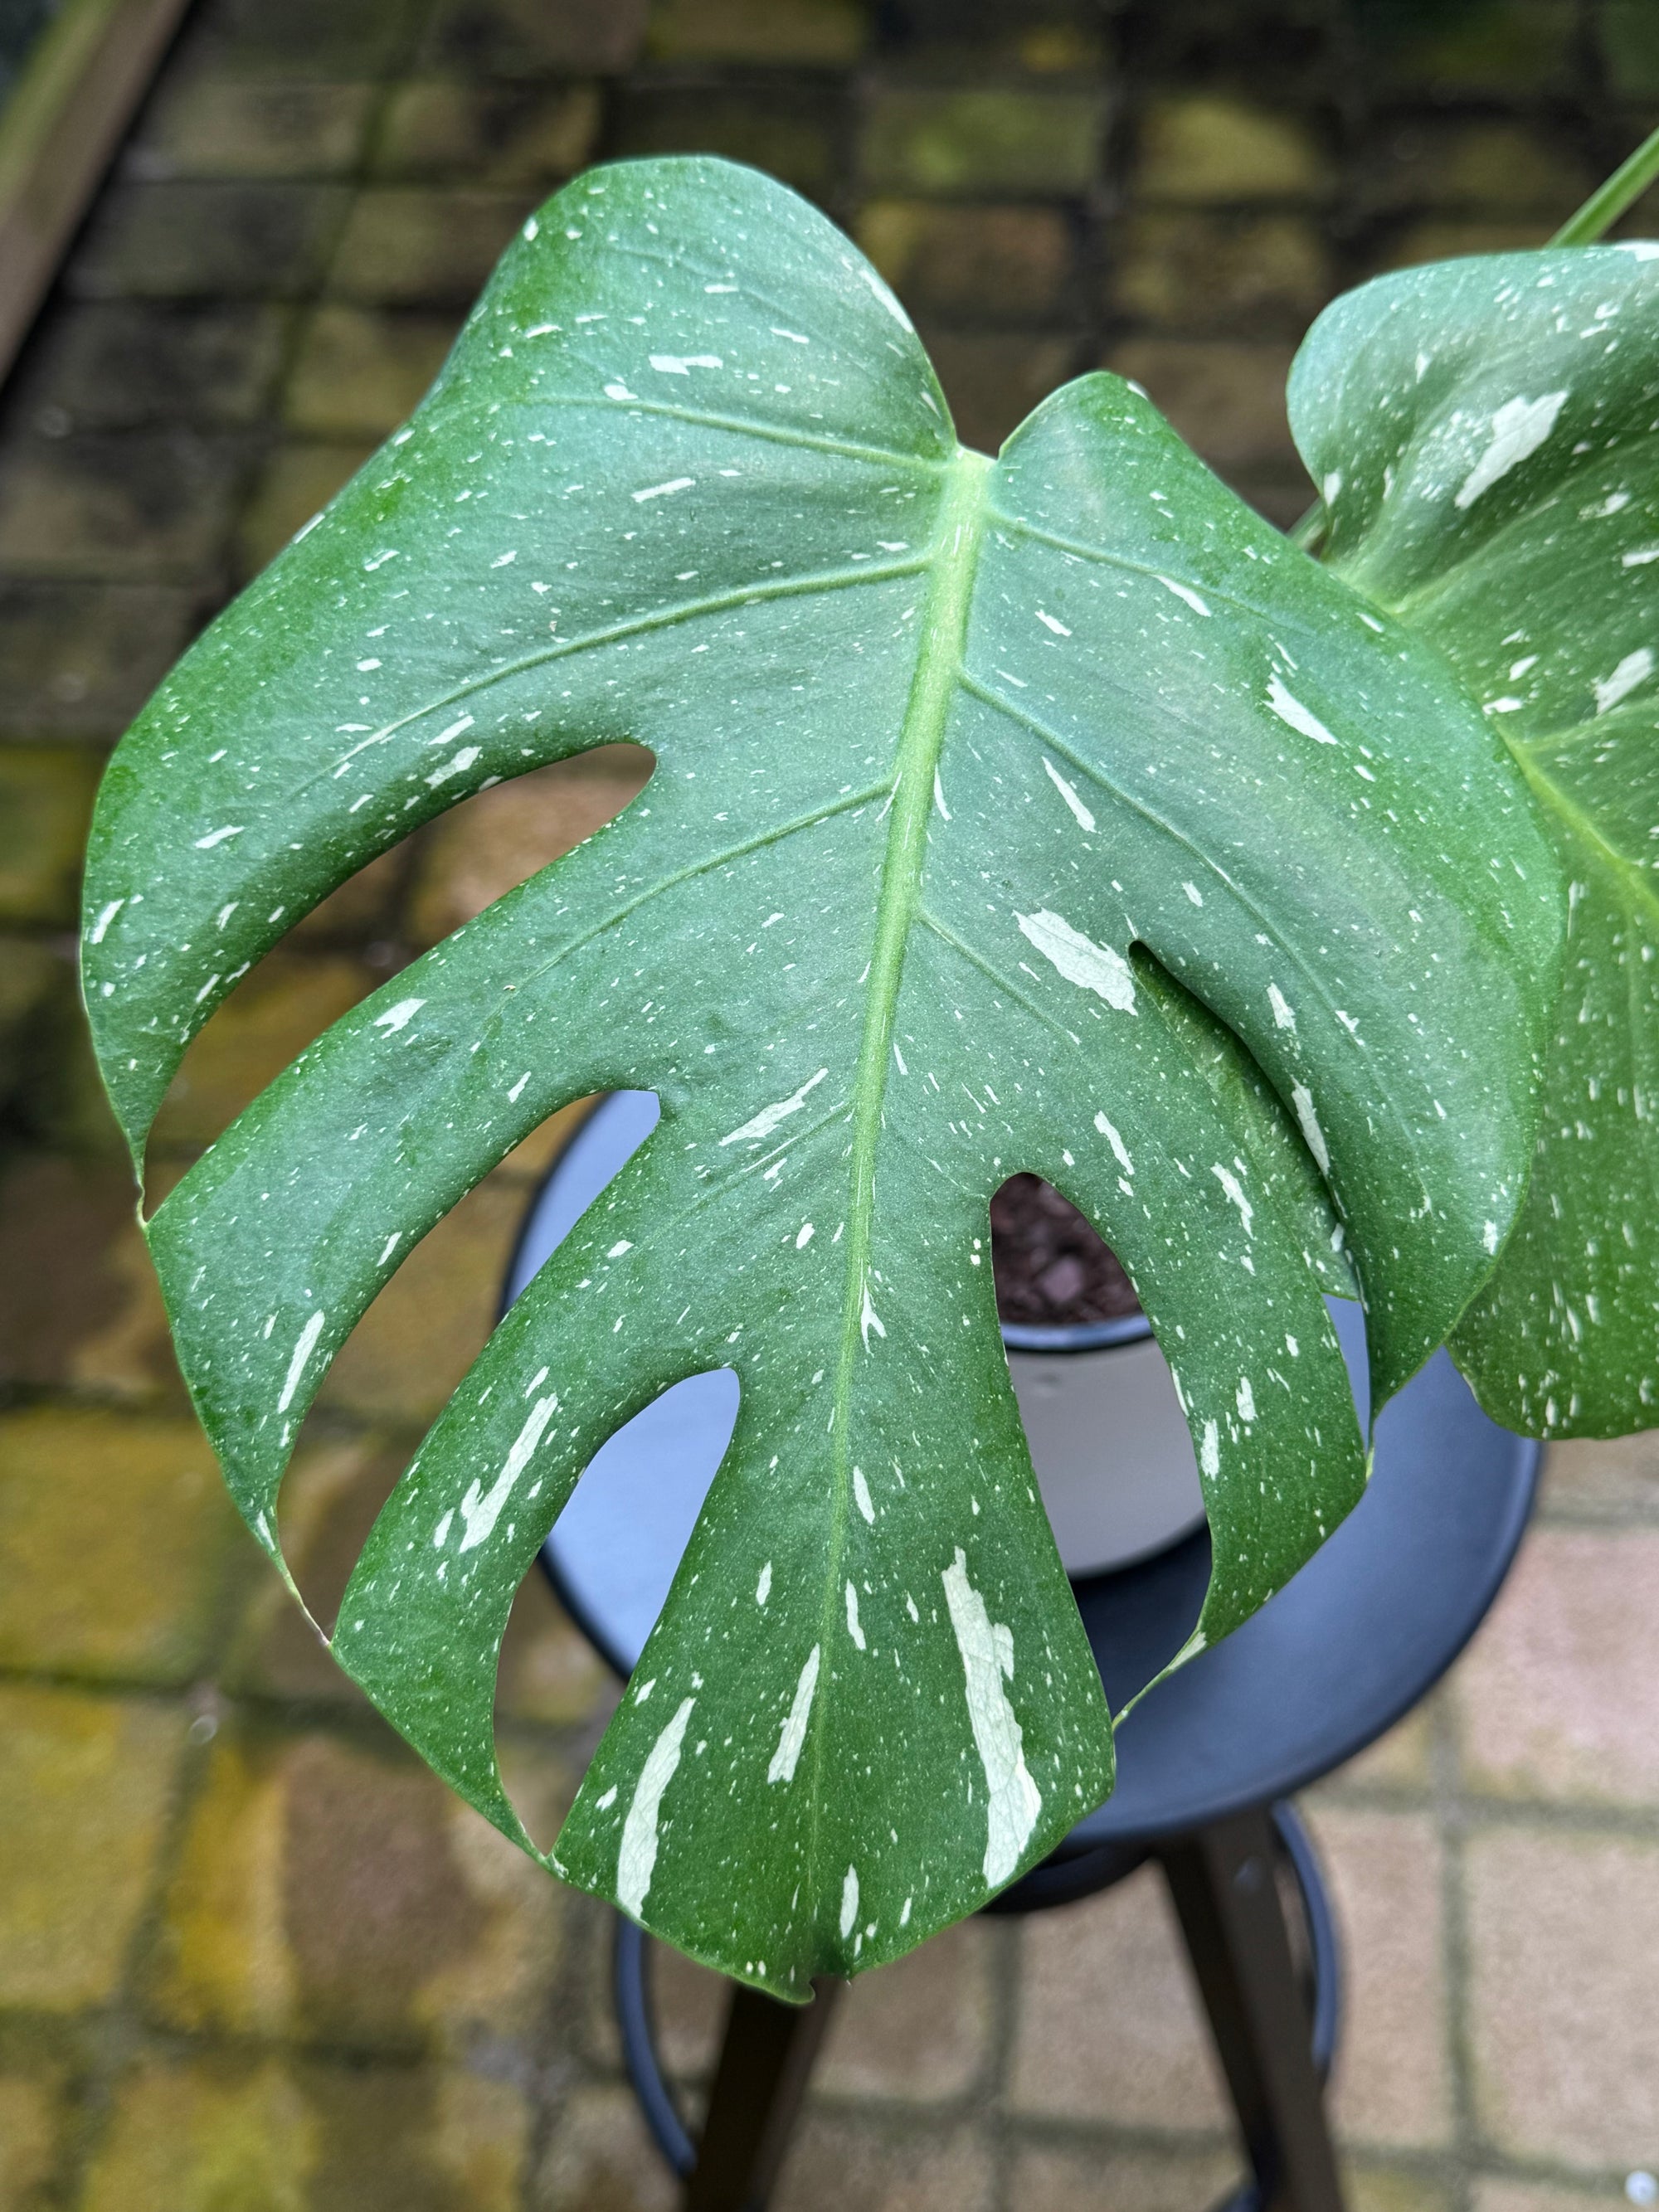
{"x":252,"y":1958}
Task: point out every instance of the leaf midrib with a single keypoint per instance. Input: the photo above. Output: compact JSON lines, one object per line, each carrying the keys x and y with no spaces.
{"x":937,"y":673}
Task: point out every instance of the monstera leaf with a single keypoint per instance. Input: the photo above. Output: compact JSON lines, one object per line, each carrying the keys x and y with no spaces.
{"x":989,"y":798}
{"x":1486,"y":432}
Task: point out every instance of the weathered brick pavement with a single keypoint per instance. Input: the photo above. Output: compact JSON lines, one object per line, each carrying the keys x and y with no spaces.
{"x":254,"y":1960}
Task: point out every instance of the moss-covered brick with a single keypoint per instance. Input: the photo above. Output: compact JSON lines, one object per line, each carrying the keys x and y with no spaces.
{"x":332,"y":1891}
{"x":982,"y":140}
{"x":530,"y":38}
{"x":86,"y":1784}
{"x":1193,"y":269}
{"x":45,"y":803}
{"x":482,"y":848}
{"x":300,"y":37}
{"x":361,"y":372}
{"x":529,"y":134}
{"x":821,"y":33}
{"x":151,"y":506}
{"x":230,"y":126}
{"x":794,"y":133}
{"x":251,"y":2132}
{"x":1630,"y":47}
{"x":116,"y":1534}
{"x":414,"y":1345}
{"x":993,"y":379}
{"x":1206,"y":146}
{"x":1404,"y":245}
{"x":192,"y":242}
{"x":34,"y":2125}
{"x":297,"y":482}
{"x":267,"y":1021}
{"x":1475,"y":166}
{"x":1478,"y":46}
{"x":78,"y":661}
{"x":1005,"y":263}
{"x":125,"y":365}
{"x":417,"y":246}
{"x":79,"y":1305}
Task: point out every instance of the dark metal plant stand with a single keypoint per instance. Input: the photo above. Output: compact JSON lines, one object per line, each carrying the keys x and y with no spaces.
{"x":1206,"y":1766}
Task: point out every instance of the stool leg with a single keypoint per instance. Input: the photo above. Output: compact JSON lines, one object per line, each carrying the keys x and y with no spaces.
{"x":765,"y":2061}
{"x":1221,"y":1879}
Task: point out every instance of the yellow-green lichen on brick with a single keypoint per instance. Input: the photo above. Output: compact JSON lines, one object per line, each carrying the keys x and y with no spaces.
{"x":982,"y":140}
{"x":229,"y":126}
{"x":296,"y":483}
{"x":1000,"y":263}
{"x":45,"y":805}
{"x":816,"y":32}
{"x":32,"y":2126}
{"x":267,"y":1021}
{"x":1200,"y":147}
{"x":360,"y":373}
{"x":85,"y":1785}
{"x":1191,"y":270}
{"x":1482,"y":168}
{"x":488,"y":134}
{"x":116,"y":1534}
{"x":335,"y":1891}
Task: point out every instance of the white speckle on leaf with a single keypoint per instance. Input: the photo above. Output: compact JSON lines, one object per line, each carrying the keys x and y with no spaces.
{"x":636,"y":1860}
{"x":1302,"y":1099}
{"x":1635,"y":668}
{"x":218,"y":836}
{"x":939,"y":798}
{"x":1013,"y":1798}
{"x":1097,"y":968}
{"x":869,"y":1319}
{"x":1291,"y":711}
{"x":1209,"y":1452}
{"x":1489,"y":1236}
{"x":390,"y":1247}
{"x":617,"y":1251}
{"x":604,"y":1804}
{"x":853,"y":1628}
{"x":1638,"y":557}
{"x":1235,"y":1190}
{"x":805,"y":1237}
{"x":480,"y":1510}
{"x":786,"y":1757}
{"x":861,"y":1493}
{"x":457,"y":765}
{"x":303,"y":1351}
{"x":1066,"y":792}
{"x":1194,"y":893}
{"x":1049,"y":621}
{"x":1119,"y":1150}
{"x":864,"y":270}
{"x":398,"y":1016}
{"x":440,"y":1533}
{"x":674,"y":364}
{"x":1246,"y":1400}
{"x":850,"y":1900}
{"x":106,"y":915}
{"x":1283,"y":1019}
{"x":764,"y":1587}
{"x":769,"y":1116}
{"x":663,"y":490}
{"x":1519,"y":427}
{"x":1184,"y":592}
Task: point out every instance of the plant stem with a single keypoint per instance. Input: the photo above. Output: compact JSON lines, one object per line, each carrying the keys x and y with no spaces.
{"x":1608,"y":202}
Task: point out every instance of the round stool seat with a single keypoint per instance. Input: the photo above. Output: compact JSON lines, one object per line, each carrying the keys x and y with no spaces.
{"x":1349,"y":1646}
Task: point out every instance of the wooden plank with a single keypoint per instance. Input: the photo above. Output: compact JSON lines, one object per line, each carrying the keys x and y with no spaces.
{"x":68,"y":114}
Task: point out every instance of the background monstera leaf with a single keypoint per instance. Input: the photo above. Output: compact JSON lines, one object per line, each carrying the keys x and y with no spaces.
{"x":977,"y":785}
{"x":1486,"y":433}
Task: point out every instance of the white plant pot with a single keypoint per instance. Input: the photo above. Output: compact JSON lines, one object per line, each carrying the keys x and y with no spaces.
{"x":1114,"y":1460}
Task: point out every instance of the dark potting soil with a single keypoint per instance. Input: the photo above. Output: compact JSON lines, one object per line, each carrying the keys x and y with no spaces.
{"x":1052,"y":1270}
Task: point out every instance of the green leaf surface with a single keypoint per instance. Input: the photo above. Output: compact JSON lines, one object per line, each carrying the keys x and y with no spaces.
{"x":977,"y":784}
{"x":1494,"y":424}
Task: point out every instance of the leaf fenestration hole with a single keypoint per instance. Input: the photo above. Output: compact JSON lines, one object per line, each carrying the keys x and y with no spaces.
{"x":1053,"y":1268}
{"x":401,"y":904}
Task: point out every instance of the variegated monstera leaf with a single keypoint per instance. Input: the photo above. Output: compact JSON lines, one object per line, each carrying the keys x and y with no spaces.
{"x":986,"y":794}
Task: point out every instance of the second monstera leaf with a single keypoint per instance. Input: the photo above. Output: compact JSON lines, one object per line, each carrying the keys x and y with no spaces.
{"x":972,"y":779}
{"x":1485,"y":430}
